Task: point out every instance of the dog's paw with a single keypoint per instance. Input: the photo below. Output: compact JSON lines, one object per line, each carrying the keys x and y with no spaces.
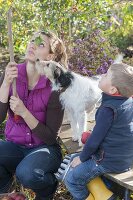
{"x":80,"y":143}
{"x":74,"y":138}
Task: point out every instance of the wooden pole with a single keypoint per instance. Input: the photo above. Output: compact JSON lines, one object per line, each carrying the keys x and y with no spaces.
{"x":10,"y":42}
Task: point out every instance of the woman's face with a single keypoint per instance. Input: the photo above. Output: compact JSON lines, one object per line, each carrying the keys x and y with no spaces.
{"x":38,"y":48}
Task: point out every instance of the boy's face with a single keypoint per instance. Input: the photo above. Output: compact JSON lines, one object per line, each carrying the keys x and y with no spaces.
{"x":105,"y":83}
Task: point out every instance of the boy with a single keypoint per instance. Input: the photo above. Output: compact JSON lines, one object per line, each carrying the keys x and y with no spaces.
{"x":110,"y":146}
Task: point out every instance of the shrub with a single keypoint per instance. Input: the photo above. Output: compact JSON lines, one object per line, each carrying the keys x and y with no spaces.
{"x":92,"y":54}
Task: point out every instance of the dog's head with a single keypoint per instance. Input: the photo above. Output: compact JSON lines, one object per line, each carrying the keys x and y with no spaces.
{"x":50,"y":69}
{"x":55,"y":72}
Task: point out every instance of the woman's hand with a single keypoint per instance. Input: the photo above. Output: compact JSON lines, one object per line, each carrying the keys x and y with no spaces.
{"x":76,"y":161}
{"x":11,"y":72}
{"x":17,"y":106}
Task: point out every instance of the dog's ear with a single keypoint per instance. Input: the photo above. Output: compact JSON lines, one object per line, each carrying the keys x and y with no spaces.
{"x":57,"y":73}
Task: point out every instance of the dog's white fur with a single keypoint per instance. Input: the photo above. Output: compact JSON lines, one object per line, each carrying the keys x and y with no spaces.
{"x":78,"y":99}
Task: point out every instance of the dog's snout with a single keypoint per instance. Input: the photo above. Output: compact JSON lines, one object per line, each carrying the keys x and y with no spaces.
{"x":37,"y":59}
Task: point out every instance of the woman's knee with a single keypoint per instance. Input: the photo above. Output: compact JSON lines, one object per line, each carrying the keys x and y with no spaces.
{"x":34,"y":178}
{"x":3,"y":147}
{"x":3,"y":172}
{"x":24,"y":176}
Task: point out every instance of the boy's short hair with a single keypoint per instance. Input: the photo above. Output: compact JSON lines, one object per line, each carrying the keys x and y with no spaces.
{"x":122,"y":78}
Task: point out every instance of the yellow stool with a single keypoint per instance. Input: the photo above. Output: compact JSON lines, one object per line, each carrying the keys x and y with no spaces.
{"x":98,"y":190}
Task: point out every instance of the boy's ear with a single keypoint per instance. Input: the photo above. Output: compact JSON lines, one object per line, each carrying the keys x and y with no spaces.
{"x":113,"y":90}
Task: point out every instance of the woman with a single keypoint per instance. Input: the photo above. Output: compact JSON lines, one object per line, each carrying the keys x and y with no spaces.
{"x":31,"y":150}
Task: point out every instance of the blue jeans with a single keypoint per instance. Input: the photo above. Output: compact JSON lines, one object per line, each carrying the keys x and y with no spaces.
{"x":34,"y":167}
{"x":77,"y":178}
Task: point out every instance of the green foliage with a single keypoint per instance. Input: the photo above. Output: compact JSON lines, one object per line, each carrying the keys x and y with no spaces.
{"x":71,"y":19}
{"x":38,"y":40}
{"x":120,"y":30}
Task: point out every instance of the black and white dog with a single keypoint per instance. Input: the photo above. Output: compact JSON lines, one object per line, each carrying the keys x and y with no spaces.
{"x":78,"y":94}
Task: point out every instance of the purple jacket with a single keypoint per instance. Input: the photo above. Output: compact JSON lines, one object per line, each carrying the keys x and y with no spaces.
{"x":36,"y":102}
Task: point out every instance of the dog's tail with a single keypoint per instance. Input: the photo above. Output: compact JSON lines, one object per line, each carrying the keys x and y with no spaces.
{"x":119,"y":58}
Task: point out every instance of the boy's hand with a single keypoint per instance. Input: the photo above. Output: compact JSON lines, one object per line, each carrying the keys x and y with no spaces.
{"x":17,"y":106}
{"x":76,"y":161}
{"x":11,"y":72}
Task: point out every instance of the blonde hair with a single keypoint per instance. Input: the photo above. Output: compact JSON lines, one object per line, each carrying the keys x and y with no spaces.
{"x":56,"y":47}
{"x":122,"y":78}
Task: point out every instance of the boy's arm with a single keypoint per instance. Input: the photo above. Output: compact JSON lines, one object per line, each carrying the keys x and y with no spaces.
{"x":103,"y":123}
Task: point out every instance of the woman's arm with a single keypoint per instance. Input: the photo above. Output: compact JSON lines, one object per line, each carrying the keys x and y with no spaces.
{"x":6,"y":80}
{"x":54,"y":116}
{"x":4,"y":89}
{"x":46,"y":132}
{"x":3,"y":105}
{"x":103,"y":123}
{"x":11,"y":72}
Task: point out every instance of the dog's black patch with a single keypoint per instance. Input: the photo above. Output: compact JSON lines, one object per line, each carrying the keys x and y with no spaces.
{"x":57,"y":73}
{"x":64,"y":79}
